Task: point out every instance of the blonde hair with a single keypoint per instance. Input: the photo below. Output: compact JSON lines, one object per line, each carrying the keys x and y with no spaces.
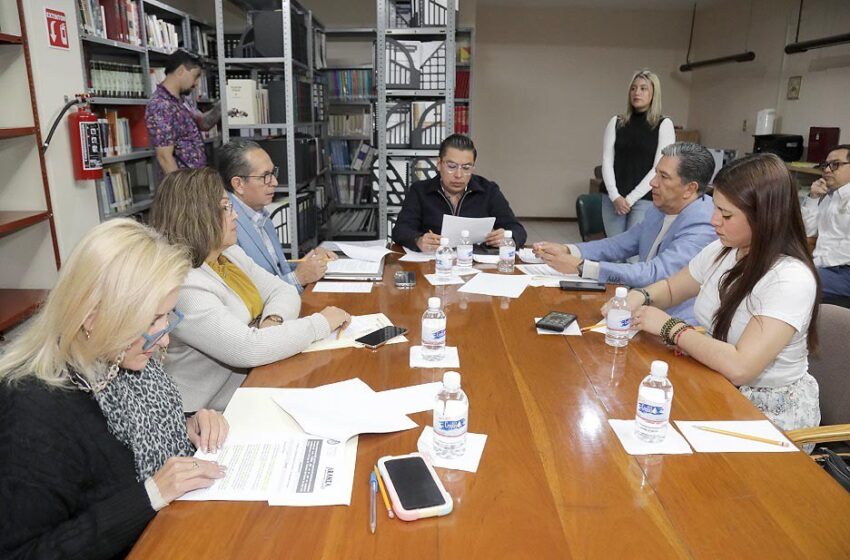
{"x":653,"y":115}
{"x":187,"y":210}
{"x":121,"y":271}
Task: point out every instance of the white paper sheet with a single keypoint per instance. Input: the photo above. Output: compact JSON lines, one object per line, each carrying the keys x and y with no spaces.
{"x":468,"y":462}
{"x":572,"y":330}
{"x":547,"y":272}
{"x":334,"y":246}
{"x":343,"y":287}
{"x":673,"y":444}
{"x":416,"y":256}
{"x":453,"y":279}
{"x":486,"y":259}
{"x":410,"y":400}
{"x":504,"y":285}
{"x":353,"y":266}
{"x":710,"y":442}
{"x":527,"y":256}
{"x":371,"y":253}
{"x":478,"y":228}
{"x":451,"y":358}
{"x":464,"y":271}
{"x":360,"y":325}
{"x":340,"y":411}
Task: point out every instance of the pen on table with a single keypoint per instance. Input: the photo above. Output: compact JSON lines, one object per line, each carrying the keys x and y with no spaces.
{"x":373,"y":497}
{"x":742,"y":436}
{"x":384,"y":494}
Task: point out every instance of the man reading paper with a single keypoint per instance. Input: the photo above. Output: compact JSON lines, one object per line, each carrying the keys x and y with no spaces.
{"x":455,"y":191}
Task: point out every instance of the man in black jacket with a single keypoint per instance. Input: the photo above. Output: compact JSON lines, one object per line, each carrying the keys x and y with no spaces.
{"x":454,"y":191}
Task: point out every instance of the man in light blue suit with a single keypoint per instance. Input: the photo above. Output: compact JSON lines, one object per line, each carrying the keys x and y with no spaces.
{"x":673,"y":232}
{"x":250,"y":177}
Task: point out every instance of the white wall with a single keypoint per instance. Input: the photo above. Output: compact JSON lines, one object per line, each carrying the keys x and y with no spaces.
{"x":722,"y":97}
{"x":547,"y":80}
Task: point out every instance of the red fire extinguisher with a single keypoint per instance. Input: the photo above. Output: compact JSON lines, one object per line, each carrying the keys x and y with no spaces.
{"x":86,"y":144}
{"x":86,"y":149}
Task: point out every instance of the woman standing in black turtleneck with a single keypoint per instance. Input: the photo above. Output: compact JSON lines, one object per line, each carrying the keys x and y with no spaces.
{"x":631,"y":147}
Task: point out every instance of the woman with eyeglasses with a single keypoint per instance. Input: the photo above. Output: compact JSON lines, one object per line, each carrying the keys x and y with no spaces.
{"x":93,"y":438}
{"x":631,"y":148}
{"x":756,"y":291}
{"x":237,"y":315}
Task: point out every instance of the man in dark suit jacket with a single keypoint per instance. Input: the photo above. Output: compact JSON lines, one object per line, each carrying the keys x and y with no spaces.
{"x":250,"y":177}
{"x":454,"y":191}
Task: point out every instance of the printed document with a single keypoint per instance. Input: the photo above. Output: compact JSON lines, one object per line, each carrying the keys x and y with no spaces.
{"x":372,"y":253}
{"x":360,"y":325}
{"x":478,"y":228}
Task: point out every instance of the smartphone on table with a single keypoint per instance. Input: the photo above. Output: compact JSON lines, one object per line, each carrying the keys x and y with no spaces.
{"x":413,"y":487}
{"x":569,"y":285}
{"x":381,"y":336}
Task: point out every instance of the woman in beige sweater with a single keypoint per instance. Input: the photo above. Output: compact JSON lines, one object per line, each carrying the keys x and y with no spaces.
{"x":237,"y":315}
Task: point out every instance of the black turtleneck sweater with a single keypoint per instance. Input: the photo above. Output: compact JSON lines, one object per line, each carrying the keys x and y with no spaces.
{"x":634,"y":153}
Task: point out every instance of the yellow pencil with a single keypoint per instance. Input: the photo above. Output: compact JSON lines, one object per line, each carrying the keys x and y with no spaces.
{"x":743,"y":436}
{"x":384,"y":494}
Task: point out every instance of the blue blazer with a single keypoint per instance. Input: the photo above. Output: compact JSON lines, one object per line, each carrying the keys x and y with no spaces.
{"x":249,"y":240}
{"x":689,"y":233}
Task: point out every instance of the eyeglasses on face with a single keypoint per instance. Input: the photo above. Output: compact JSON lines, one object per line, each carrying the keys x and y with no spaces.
{"x":832,"y":165}
{"x":173,"y":319}
{"x":266,"y":177}
{"x":453,"y":167}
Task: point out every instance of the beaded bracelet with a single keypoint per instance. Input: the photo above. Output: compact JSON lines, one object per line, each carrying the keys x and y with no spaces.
{"x":646,"y":299}
{"x":678,"y":334}
{"x":667,"y":327}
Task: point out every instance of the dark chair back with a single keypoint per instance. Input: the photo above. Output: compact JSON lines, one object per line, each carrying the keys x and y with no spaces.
{"x":831,"y":365}
{"x":589,"y":213}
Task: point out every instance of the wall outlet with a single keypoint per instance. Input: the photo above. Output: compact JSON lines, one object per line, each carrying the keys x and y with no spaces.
{"x":744,"y":126}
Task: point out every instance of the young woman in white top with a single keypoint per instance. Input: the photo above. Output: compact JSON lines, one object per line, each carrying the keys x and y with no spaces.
{"x":237,"y":315}
{"x":756,"y":292}
{"x":631,"y":148}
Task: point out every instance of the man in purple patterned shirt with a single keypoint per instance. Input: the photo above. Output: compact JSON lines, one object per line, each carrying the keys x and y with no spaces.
{"x":173,"y":126}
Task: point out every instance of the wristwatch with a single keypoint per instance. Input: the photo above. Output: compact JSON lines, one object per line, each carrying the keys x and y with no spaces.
{"x":275,"y":319}
{"x":580,"y":267}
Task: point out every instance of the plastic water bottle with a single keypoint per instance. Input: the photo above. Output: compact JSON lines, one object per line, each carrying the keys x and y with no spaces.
{"x":507,"y":253}
{"x":655,"y":397}
{"x":619,"y":320}
{"x":464,"y":250}
{"x":451,"y":416}
{"x":433,"y":331}
{"x":445,"y":259}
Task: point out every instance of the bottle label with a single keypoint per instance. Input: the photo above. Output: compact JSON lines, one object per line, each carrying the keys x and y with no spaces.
{"x":434,"y":332}
{"x":651,"y":405}
{"x":619,"y":319}
{"x":450,"y":426}
{"x":507,"y":252}
{"x":444,"y":262}
{"x":464,"y":252}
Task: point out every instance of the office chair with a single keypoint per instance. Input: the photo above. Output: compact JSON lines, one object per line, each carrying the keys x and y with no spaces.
{"x":589,"y":213}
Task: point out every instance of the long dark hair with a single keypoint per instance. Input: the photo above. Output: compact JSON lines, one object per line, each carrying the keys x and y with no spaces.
{"x":762,"y":188}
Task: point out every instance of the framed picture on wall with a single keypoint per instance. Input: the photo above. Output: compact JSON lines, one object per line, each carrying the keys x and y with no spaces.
{"x":794,"y":83}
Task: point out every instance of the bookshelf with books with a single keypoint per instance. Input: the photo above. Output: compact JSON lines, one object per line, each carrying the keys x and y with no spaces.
{"x":271,"y":94}
{"x":125,"y":44}
{"x":29,"y":248}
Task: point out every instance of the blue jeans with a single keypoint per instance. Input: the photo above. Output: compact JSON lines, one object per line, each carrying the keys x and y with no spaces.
{"x":616,"y":224}
{"x":835,"y":281}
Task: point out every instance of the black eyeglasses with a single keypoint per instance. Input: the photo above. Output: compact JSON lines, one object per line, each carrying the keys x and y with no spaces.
{"x":832,"y":165}
{"x":266,"y":177}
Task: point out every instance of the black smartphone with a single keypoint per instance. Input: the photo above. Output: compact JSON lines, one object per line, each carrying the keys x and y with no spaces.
{"x":380,"y":337}
{"x":417,"y":486}
{"x":581,"y":286}
{"x":556,"y":321}
{"x":405,"y":278}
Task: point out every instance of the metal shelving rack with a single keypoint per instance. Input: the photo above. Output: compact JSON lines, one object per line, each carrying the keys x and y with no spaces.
{"x":290,"y":129}
{"x":112,"y":49}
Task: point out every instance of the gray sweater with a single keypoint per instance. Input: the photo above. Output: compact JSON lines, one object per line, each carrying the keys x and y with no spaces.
{"x":213,"y":348}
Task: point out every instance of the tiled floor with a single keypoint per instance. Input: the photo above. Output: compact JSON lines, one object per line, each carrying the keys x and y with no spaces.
{"x":558,"y":232}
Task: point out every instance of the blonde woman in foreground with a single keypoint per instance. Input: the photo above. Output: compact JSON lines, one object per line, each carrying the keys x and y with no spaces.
{"x":93,"y":438}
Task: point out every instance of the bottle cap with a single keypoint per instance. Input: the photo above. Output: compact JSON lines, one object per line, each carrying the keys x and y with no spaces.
{"x":464,"y":233}
{"x":451,"y":381}
{"x":444,"y":242}
{"x":621,"y":292}
{"x":508,"y":234}
{"x":658,"y":369}
{"x":433,"y":303}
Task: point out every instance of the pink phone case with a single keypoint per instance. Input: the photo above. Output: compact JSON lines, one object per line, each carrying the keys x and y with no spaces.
{"x":414,"y":514}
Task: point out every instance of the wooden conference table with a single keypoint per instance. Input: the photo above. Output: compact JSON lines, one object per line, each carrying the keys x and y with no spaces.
{"x":554,"y":481}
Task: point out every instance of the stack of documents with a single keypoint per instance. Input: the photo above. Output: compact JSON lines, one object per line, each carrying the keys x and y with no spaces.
{"x":363,"y":263}
{"x":360,"y":325}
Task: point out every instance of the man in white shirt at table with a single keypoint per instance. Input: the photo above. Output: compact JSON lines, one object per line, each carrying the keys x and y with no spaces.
{"x":826,"y":213}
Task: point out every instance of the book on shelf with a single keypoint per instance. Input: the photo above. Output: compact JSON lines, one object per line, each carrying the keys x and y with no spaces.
{"x":116,"y":189}
{"x":352,"y":189}
{"x":247,"y":102}
{"x":115,"y":79}
{"x":350,"y":124}
{"x":363,"y":157}
{"x":161,"y":34}
{"x":462,"y":119}
{"x":118,"y":20}
{"x":122,"y":130}
{"x":351,"y":155}
{"x":355,"y":220}
{"x":200,"y":41}
{"x":462,"y":83}
{"x":350,"y":84}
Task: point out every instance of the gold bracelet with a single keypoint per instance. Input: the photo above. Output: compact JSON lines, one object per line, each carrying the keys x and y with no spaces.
{"x":275,"y":319}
